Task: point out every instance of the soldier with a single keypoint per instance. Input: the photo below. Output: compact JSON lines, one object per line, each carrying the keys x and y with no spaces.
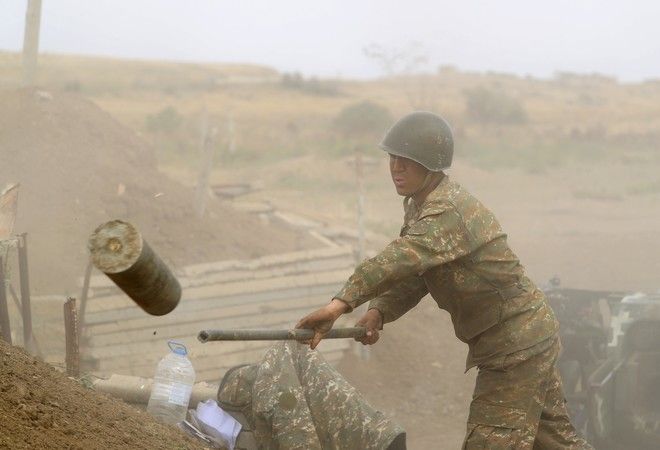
{"x":453,"y":247}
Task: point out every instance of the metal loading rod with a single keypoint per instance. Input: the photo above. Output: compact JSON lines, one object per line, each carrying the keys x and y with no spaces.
{"x":298,"y":334}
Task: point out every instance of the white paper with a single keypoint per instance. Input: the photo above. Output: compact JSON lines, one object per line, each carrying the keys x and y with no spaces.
{"x":217,"y":423}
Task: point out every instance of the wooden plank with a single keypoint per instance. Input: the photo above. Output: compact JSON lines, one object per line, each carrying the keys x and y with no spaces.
{"x":235,"y":288}
{"x":132,"y":312}
{"x":216,"y":374}
{"x":220,"y":294}
{"x":155,"y":346}
{"x":298,"y":268}
{"x":303,"y":260}
{"x":72,"y":338}
{"x":220,"y":311}
{"x":212,"y":360}
{"x":200,"y":353}
{"x":219,"y":279}
{"x":8,"y":208}
{"x":272,"y":292}
{"x":280,"y":271}
{"x":191,"y":329}
{"x":297,"y":220}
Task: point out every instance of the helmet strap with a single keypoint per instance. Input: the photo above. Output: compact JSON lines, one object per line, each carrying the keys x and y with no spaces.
{"x":428,"y":180}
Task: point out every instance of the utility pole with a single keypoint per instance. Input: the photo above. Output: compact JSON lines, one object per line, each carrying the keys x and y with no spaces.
{"x":359,"y":177}
{"x":31,"y":41}
{"x":205,"y":165}
{"x":362,"y":350}
{"x":231,"y":135}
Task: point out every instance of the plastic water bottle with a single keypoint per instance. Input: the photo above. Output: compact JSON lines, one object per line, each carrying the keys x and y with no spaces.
{"x":172,"y":386}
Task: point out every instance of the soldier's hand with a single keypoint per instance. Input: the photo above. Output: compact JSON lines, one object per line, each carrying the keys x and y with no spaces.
{"x":372,"y":320}
{"x":321,"y":320}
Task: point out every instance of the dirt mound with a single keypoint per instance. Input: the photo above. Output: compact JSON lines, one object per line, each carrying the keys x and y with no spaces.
{"x":78,"y":167}
{"x":42,"y":408}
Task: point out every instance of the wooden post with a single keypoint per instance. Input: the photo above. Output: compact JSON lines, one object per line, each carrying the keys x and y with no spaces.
{"x":359,"y":175}
{"x":31,"y":41}
{"x":5,"y":324}
{"x":24,"y":279}
{"x":83,"y":296}
{"x":231,"y":136}
{"x":205,"y":164}
{"x":17,"y":303}
{"x":363,"y":350}
{"x":71,"y":334}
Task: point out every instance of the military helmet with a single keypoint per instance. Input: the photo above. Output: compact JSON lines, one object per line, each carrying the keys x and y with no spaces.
{"x":423,"y":137}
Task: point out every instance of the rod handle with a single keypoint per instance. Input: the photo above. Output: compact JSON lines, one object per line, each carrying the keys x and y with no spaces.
{"x":297,"y":334}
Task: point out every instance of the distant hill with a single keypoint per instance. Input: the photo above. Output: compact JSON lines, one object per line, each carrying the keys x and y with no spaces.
{"x":104,"y":74}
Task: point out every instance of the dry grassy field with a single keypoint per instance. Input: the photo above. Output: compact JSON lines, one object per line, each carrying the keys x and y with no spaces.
{"x":569,"y":165}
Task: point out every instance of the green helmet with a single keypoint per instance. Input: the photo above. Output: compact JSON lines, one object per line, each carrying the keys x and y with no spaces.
{"x":423,"y":137}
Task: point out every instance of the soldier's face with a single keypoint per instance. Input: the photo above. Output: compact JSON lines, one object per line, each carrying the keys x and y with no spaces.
{"x":408,"y":176}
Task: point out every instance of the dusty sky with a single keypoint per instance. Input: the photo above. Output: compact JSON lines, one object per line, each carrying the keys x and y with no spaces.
{"x":326,"y":38}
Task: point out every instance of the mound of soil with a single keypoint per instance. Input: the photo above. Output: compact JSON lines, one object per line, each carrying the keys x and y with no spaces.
{"x":42,"y":408}
{"x":78,"y":168}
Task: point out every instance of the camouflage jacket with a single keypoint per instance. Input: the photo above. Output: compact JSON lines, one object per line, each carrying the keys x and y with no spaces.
{"x":453,"y":247}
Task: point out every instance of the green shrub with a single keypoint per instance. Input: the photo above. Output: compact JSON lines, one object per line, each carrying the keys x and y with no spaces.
{"x":488,"y":106}
{"x":166,"y":120}
{"x":363,"y":120}
{"x":311,"y":85}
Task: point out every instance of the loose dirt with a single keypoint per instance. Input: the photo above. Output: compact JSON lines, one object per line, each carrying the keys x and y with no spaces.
{"x":42,"y":408}
{"x":78,"y":167}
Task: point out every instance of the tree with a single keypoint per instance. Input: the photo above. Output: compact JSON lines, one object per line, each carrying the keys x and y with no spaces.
{"x":166,"y":120}
{"x":363,"y":120}
{"x":408,"y":63}
{"x":486,"y":106}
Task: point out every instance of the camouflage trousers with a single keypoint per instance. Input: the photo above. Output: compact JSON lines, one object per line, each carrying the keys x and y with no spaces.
{"x":294,"y":400}
{"x":518,"y":403}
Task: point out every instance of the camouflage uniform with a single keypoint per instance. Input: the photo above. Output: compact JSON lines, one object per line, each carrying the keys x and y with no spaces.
{"x":453,"y":247}
{"x":293,"y":399}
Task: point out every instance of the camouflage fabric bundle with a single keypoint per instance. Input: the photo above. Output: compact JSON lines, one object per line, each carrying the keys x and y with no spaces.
{"x":294,"y":399}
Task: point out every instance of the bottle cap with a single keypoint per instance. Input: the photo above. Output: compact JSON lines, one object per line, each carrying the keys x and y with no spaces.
{"x":177,"y":347}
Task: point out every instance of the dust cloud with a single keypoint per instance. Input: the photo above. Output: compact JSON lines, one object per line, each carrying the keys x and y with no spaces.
{"x":568,"y":163}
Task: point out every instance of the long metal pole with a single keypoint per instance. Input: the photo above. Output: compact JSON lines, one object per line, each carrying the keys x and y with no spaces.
{"x":31,"y":41}
{"x":4,"y":311}
{"x":72,"y":339}
{"x":24,"y":280}
{"x":298,"y":334}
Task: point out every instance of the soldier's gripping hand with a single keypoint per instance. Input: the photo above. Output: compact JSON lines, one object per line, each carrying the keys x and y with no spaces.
{"x":372,"y":320}
{"x":322,"y":319}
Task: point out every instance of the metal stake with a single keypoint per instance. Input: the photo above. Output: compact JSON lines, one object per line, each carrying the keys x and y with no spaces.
{"x":71,"y":333}
{"x":24,"y":279}
{"x":4,"y":311}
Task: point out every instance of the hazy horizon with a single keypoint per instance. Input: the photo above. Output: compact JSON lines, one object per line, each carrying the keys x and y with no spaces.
{"x":328,"y":38}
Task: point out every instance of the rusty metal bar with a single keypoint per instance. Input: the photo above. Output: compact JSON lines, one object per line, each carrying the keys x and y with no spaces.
{"x":5,"y":324}
{"x":72,"y":358}
{"x":24,"y":279}
{"x":298,"y":334}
